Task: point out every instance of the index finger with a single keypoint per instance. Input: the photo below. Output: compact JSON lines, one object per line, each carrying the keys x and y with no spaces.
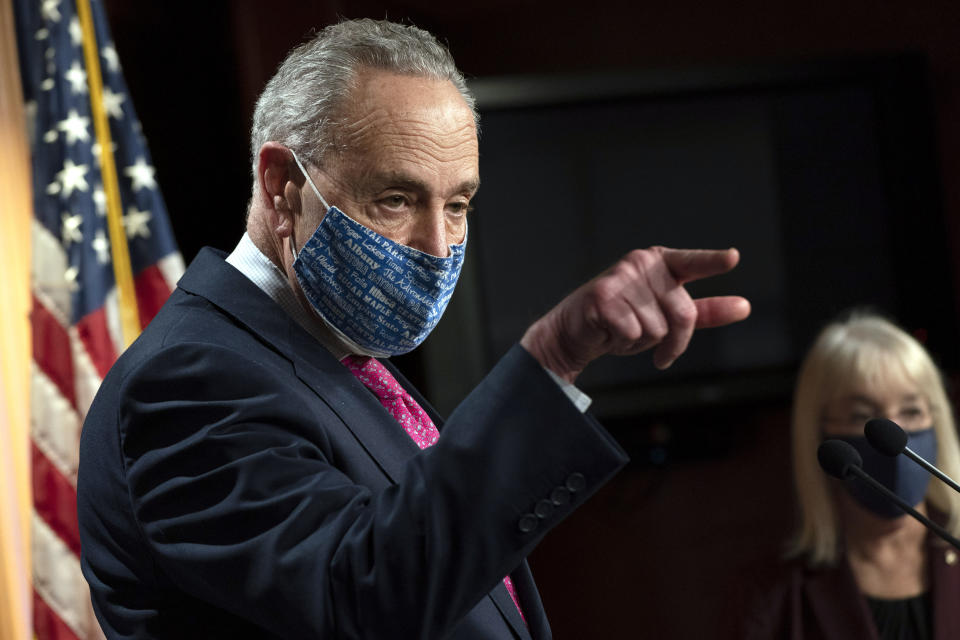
{"x":688,"y":265}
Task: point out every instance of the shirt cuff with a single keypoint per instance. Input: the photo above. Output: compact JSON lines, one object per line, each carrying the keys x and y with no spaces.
{"x":579,"y":399}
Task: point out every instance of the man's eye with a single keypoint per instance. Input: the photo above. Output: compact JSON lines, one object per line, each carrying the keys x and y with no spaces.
{"x":395,"y":201}
{"x":459,"y":207}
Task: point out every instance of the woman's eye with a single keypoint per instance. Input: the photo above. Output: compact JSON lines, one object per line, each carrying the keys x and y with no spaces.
{"x":911,"y":412}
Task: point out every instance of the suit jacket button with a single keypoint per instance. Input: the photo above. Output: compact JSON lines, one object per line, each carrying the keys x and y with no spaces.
{"x":560,"y":496}
{"x":528,"y":523}
{"x":543,"y":509}
{"x":576,"y":482}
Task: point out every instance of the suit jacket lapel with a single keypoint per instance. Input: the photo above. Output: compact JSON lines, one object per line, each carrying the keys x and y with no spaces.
{"x":529,"y":597}
{"x":838,"y":605}
{"x":375,"y":429}
{"x":414,"y":393}
{"x":501,"y":598}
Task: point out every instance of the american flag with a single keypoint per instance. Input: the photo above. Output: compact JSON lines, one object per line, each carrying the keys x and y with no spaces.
{"x":78,"y":308}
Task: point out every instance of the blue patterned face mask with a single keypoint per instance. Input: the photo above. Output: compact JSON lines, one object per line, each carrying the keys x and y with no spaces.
{"x":901,"y":475}
{"x":381,"y":296}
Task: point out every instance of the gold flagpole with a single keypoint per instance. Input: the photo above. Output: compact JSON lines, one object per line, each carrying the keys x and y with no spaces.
{"x":122,"y":270}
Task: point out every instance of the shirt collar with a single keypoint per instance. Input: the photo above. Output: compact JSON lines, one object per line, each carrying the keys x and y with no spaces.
{"x":259,"y":269}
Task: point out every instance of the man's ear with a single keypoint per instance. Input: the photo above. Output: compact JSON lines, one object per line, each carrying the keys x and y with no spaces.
{"x":276,"y":173}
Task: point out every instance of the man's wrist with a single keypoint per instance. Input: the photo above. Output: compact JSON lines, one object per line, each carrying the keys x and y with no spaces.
{"x":533,"y":342}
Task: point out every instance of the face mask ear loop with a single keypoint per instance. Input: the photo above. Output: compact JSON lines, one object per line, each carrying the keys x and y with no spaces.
{"x":293,"y":246}
{"x":307,"y":176}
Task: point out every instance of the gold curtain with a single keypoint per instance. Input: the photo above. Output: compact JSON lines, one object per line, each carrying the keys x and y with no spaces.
{"x":16,"y":214}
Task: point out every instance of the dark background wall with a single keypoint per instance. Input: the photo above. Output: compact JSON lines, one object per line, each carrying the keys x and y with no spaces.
{"x":658,"y":552}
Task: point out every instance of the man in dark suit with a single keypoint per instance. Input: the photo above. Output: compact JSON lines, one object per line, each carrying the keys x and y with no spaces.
{"x":250,"y":469}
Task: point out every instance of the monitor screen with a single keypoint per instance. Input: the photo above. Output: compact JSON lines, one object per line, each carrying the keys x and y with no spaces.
{"x":823,"y":175}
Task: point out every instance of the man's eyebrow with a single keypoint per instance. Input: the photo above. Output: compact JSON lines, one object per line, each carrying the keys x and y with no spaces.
{"x":405,"y":181}
{"x":469,"y":186}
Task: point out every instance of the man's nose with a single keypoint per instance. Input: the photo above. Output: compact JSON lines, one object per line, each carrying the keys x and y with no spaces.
{"x":430,"y":233}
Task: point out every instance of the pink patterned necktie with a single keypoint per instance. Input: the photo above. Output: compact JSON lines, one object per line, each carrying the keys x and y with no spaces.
{"x":408,"y":413}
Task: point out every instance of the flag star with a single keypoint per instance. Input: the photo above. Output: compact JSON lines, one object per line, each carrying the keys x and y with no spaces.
{"x":48,"y":84}
{"x":110,"y":56}
{"x":76,"y":33}
{"x":70,"y":229}
{"x":51,"y":136}
{"x":50,"y":10}
{"x":70,"y":275}
{"x":42,"y":33}
{"x":75,"y":127}
{"x":101,"y":245}
{"x":100,"y":200}
{"x":77,"y":78}
{"x":112,"y":103}
{"x":72,"y":177}
{"x":141,"y":175}
{"x":135,"y":223}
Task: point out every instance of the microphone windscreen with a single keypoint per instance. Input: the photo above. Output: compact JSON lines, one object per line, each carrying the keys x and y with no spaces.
{"x":885,"y":436}
{"x":836,"y":457}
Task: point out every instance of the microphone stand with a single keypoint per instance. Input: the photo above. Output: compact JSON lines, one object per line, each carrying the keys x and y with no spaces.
{"x":932,"y":469}
{"x":937,"y":529}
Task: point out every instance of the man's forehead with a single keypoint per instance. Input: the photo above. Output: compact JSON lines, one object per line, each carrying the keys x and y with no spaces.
{"x":408,"y":150}
{"x":432,"y":128}
{"x":388,"y":101}
{"x":408,"y":129}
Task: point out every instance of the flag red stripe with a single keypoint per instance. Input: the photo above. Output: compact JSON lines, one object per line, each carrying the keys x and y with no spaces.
{"x":47,"y":624}
{"x":55,"y":499}
{"x":51,"y":350}
{"x":152,"y":291}
{"x":93,"y":332}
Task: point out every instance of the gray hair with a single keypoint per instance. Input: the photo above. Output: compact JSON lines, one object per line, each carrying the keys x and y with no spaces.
{"x":301,"y":104}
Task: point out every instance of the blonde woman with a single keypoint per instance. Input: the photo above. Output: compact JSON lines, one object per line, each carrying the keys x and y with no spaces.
{"x":860,"y":567}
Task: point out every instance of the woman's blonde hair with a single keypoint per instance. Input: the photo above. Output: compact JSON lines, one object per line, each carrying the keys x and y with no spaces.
{"x":862,"y":350}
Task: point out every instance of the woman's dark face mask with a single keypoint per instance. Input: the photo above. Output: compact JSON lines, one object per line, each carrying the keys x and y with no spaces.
{"x":899,"y":474}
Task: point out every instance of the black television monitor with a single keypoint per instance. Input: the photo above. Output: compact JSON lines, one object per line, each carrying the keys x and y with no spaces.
{"x":822,"y":173}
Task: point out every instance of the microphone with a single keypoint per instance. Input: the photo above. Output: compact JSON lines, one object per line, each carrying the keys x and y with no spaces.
{"x":841,"y":460}
{"x":838,"y":458}
{"x":888,"y":438}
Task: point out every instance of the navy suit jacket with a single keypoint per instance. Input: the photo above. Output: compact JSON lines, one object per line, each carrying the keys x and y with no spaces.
{"x":237,"y":481}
